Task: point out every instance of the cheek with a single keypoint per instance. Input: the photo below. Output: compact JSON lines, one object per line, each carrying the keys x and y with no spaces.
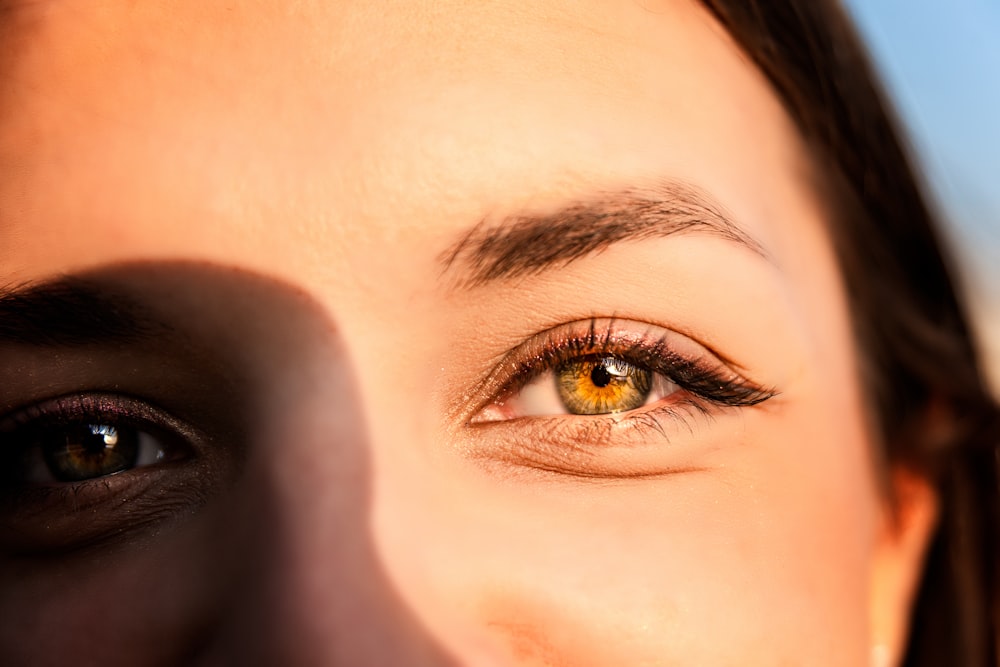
{"x":764,"y":555}
{"x":145,"y":603}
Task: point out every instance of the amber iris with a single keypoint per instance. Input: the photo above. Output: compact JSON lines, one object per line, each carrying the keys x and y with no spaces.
{"x":87,"y":451}
{"x":595,"y":386}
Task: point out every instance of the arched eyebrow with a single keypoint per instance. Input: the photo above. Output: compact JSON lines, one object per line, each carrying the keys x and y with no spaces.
{"x":523,"y":245}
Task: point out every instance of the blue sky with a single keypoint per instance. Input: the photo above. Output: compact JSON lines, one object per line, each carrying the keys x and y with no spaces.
{"x":941,"y":62}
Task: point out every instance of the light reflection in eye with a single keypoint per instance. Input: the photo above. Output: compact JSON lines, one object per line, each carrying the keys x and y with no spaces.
{"x":110,"y":434}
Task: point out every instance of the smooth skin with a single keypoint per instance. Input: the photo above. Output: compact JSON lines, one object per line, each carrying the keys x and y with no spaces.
{"x":280,"y":182}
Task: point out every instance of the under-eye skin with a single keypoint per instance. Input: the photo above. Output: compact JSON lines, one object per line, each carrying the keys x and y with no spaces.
{"x":72,"y":462}
{"x":584,"y":388}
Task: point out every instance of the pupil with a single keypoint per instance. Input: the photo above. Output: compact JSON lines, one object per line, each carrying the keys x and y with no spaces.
{"x":600,"y":376}
{"x":92,"y":445}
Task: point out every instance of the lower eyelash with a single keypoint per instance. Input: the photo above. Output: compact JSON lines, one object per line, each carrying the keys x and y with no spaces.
{"x":576,"y":446}
{"x":604,"y":431}
{"x":680,"y":413}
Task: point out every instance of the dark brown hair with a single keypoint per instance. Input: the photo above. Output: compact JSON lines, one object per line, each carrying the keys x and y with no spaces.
{"x":919,"y":365}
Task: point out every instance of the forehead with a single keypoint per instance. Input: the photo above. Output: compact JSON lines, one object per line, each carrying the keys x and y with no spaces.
{"x":354,"y":123}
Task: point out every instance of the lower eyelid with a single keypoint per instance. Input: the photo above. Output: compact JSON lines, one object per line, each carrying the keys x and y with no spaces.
{"x":647,"y":442}
{"x":53,"y":518}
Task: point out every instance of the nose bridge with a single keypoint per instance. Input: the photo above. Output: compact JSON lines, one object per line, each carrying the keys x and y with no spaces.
{"x":313,"y":590}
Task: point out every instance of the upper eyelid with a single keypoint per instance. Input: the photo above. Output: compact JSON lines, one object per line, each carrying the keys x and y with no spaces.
{"x":546,"y":345}
{"x":626,"y":344}
{"x":535,"y":370}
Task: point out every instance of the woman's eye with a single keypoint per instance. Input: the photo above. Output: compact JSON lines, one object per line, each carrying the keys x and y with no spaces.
{"x":82,"y":468}
{"x":590,"y":385}
{"x":80,"y":438}
{"x":78,"y":452}
{"x":612,"y":367}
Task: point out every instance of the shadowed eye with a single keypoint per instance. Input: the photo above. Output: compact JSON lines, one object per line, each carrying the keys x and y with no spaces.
{"x":82,"y":438}
{"x":79,"y":469}
{"x":74,"y":453}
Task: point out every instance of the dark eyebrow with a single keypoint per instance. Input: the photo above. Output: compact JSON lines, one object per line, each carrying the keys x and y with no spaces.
{"x":71,"y":312}
{"x":524,"y":245}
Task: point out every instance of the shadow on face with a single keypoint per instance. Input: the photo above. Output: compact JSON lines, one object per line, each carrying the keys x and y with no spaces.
{"x":237,"y":532}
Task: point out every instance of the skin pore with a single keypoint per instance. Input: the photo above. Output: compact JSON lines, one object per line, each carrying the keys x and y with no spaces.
{"x":310,"y":207}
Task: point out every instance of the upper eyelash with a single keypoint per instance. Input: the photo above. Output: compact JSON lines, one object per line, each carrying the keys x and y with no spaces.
{"x":719,"y":384}
{"x":67,"y":410}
